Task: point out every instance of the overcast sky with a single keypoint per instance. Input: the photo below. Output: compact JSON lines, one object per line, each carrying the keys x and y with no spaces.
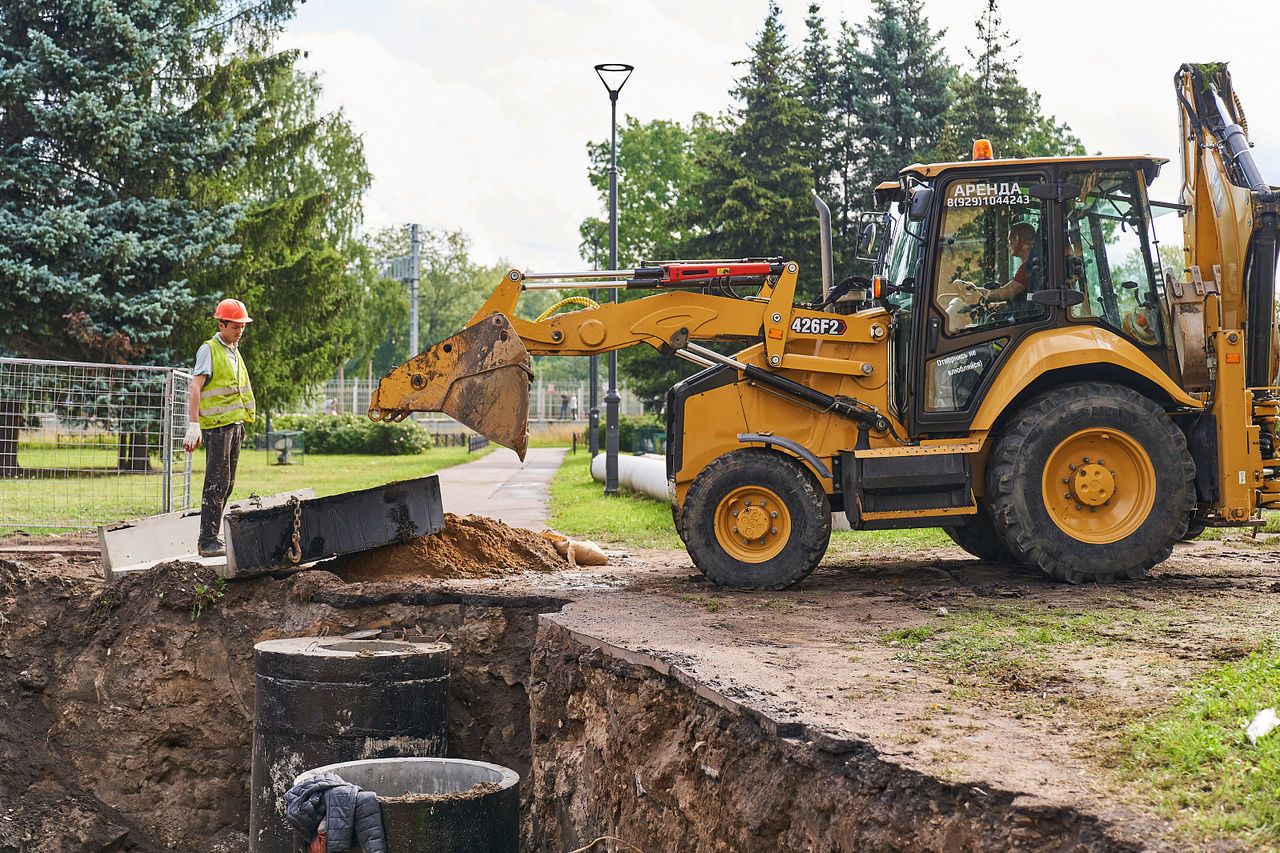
{"x":476,"y":113}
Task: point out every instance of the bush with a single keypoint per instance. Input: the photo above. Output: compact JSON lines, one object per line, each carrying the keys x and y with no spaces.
{"x":351,"y":433}
{"x":628,"y":424}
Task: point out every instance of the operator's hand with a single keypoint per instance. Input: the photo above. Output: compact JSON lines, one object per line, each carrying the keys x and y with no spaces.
{"x":191,"y":440}
{"x":969,"y":292}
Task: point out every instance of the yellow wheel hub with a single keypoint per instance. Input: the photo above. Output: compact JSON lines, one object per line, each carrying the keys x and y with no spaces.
{"x":752,"y":524}
{"x":1099,"y":485}
{"x":1093,"y":484}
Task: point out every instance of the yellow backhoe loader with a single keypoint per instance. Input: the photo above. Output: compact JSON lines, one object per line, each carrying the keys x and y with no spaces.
{"x":1021,"y":370}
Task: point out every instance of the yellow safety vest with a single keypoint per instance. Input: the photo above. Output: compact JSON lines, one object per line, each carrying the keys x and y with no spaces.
{"x":227,"y":396}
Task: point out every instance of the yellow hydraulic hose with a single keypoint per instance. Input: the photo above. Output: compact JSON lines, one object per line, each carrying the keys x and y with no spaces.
{"x":572,"y":300}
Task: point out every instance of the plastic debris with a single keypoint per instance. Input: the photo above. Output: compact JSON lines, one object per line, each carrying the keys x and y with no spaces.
{"x":577,"y":551}
{"x":1263,"y":722}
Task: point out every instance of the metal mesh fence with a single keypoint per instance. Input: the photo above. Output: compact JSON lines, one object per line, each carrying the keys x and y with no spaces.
{"x":87,"y":444}
{"x":548,"y":401}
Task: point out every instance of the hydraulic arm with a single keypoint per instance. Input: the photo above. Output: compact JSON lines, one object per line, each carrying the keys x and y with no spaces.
{"x":1231,"y":228}
{"x":481,"y":375}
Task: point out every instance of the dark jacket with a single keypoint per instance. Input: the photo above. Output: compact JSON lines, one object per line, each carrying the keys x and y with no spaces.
{"x":351,"y":816}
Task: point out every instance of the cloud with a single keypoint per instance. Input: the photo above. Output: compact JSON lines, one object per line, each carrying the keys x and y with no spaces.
{"x":476,"y":113}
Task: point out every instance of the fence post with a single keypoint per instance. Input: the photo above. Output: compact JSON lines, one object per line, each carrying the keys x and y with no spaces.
{"x":166,"y":445}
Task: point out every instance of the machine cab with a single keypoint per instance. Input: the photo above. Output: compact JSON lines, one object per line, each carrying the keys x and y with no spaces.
{"x":985,"y":256}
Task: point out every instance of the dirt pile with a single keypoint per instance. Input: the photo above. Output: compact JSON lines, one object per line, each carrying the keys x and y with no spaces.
{"x":470,"y":546}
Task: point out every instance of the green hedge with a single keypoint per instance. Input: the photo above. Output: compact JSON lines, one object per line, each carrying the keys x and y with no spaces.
{"x":628,"y":424}
{"x":351,"y":433}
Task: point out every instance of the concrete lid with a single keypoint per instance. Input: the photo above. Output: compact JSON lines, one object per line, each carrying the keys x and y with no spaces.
{"x":346,"y":660}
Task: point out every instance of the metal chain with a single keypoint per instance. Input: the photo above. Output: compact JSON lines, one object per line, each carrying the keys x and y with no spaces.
{"x":294,"y":553}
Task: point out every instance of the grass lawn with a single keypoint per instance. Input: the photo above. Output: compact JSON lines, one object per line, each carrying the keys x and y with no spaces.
{"x":331,"y":474}
{"x":79,"y":503}
{"x":580,"y":509}
{"x":1195,"y":762}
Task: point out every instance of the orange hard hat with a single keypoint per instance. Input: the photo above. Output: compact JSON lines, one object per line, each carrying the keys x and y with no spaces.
{"x":232,"y":310}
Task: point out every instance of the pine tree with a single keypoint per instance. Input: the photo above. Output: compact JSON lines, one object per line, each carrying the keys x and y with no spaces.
{"x":894,"y":80}
{"x":819,"y":139}
{"x":156,"y":157}
{"x":756,"y":198}
{"x":98,"y":138}
{"x":991,"y":103}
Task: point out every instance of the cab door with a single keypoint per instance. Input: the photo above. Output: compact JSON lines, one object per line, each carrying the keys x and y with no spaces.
{"x":988,"y":248}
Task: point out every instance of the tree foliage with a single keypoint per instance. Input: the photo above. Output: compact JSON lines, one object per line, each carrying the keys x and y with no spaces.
{"x":893,"y":81}
{"x":991,"y":103}
{"x":656,"y":165}
{"x":756,"y":192}
{"x":156,"y":157}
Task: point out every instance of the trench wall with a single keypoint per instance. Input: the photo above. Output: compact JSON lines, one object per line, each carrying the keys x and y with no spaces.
{"x":129,"y":728}
{"x":625,"y":746}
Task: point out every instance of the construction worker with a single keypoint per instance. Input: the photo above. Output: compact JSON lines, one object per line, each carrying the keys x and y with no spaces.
{"x":219,"y":404}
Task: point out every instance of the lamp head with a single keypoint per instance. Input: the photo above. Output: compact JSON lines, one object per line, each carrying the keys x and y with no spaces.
{"x":614,"y":72}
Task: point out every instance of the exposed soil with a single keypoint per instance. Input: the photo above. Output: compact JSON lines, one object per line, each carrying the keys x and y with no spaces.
{"x":661,"y":709}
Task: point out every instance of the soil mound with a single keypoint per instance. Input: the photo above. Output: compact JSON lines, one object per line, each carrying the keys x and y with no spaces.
{"x":470,"y":546}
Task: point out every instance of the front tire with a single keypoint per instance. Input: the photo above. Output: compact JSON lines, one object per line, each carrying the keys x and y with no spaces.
{"x":755,"y":518}
{"x":1091,"y":481}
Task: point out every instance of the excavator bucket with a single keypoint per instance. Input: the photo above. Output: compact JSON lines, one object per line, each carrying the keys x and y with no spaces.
{"x":479,"y":377}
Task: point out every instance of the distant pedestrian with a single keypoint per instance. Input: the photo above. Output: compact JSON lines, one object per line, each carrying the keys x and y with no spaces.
{"x":219,"y":404}
{"x":564,"y":406}
{"x":573,"y":407}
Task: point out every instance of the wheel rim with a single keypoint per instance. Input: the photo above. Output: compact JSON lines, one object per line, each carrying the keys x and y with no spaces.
{"x":752,"y":524}
{"x":1099,"y":485}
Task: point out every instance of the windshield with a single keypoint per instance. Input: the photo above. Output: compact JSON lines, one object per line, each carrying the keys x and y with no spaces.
{"x":898,"y":267}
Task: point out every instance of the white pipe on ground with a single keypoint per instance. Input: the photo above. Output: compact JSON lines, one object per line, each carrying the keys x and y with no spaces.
{"x":645,"y":474}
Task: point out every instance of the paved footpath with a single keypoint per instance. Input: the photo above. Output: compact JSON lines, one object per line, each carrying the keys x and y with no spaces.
{"x":499,"y":486}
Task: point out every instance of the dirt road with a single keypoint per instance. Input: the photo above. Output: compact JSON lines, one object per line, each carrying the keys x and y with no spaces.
{"x":986,"y":680}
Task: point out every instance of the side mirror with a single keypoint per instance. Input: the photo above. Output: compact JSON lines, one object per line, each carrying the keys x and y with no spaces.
{"x":870,"y":235}
{"x":867,"y":242}
{"x":920,"y":204}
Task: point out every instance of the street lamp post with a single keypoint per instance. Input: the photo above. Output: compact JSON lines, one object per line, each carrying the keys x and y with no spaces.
{"x":618,"y":74}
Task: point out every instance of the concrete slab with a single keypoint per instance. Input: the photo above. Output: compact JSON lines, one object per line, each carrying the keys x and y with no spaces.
{"x":258,"y":540}
{"x":499,"y":486}
{"x":140,"y":543}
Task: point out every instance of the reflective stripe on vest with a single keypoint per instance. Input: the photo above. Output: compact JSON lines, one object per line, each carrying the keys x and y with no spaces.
{"x":227,"y":397}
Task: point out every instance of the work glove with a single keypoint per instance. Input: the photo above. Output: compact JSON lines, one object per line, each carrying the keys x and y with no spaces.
{"x":191,"y":440}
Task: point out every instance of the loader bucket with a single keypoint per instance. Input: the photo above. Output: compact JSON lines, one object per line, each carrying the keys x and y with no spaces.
{"x":479,"y":377}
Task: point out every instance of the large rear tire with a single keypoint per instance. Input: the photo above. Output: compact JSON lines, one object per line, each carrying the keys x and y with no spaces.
{"x":978,"y":536}
{"x":755,"y":518}
{"x":1091,"y":481}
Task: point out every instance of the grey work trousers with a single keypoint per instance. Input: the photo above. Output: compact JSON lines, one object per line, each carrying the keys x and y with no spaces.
{"x":221,"y":452}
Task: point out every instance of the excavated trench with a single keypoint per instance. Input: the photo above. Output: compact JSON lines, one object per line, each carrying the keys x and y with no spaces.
{"x":128,"y":712}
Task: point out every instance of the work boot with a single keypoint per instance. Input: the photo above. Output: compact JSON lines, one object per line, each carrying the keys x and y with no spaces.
{"x":213,"y":549}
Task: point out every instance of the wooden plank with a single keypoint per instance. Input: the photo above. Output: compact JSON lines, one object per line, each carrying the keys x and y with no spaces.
{"x":258,"y":540}
{"x":140,"y":543}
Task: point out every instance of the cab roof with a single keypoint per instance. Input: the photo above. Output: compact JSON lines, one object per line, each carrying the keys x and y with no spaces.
{"x":1150,"y":165}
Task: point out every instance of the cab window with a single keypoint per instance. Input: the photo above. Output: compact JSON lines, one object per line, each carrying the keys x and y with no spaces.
{"x":991,"y":253}
{"x":1108,"y":255}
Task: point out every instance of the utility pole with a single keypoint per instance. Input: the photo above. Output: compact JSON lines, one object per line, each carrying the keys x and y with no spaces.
{"x":611,"y":397}
{"x":414,"y":261}
{"x":406,"y":269}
